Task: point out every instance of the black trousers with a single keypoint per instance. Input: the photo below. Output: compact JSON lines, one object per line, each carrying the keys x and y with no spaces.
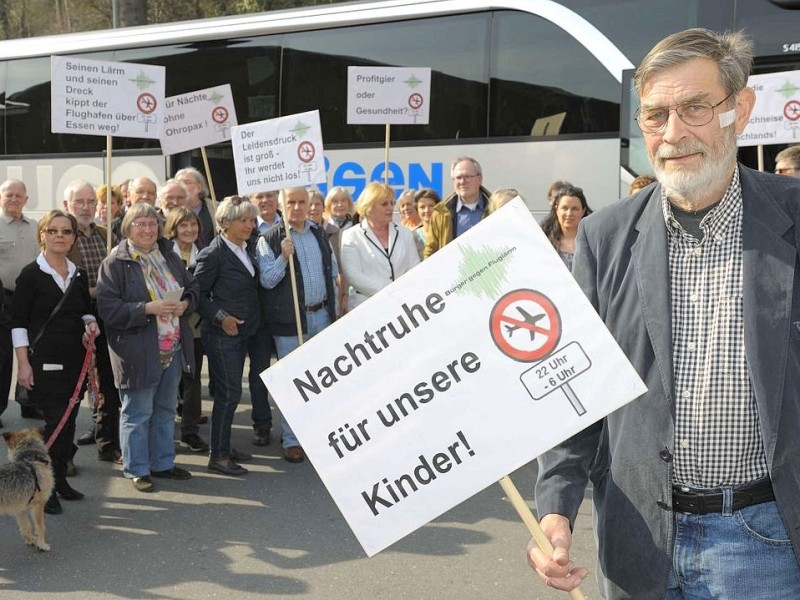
{"x":108,"y":401}
{"x":52,"y":390}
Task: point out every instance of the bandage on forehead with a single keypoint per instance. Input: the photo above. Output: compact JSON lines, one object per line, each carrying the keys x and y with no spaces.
{"x":727,"y":118}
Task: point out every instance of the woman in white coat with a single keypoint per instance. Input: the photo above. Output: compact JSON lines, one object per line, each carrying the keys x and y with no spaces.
{"x":376,"y":251}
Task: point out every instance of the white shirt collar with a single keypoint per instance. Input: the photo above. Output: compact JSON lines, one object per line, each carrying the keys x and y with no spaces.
{"x":60,"y":281}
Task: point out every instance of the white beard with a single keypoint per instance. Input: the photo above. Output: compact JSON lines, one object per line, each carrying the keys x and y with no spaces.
{"x":712,"y":176}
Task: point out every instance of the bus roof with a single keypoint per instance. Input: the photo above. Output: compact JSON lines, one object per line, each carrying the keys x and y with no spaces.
{"x":310,"y":18}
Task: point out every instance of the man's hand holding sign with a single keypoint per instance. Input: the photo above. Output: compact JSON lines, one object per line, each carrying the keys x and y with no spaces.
{"x":395,"y":453}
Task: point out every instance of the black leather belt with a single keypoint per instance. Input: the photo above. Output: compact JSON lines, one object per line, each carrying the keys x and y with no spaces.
{"x":698,"y":502}
{"x":316,"y":307}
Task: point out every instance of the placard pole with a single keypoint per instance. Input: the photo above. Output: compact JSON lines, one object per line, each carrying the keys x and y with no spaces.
{"x":760,"y":149}
{"x":533,"y":525}
{"x":109,"y":144}
{"x":293,"y":278}
{"x":386,"y":157}
{"x":210,"y":183}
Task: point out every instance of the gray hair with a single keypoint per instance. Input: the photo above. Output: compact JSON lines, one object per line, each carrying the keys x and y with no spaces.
{"x":73,"y":187}
{"x":169,"y":182}
{"x":197,"y":176}
{"x":732,"y":51}
{"x":282,"y":194}
{"x":460,"y":159}
{"x":410,"y":194}
{"x":138,"y":211}
{"x":9,"y":182}
{"x":791,"y":154}
{"x":229,"y":211}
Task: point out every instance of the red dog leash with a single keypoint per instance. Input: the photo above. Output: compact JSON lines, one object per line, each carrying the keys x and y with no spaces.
{"x":74,"y":400}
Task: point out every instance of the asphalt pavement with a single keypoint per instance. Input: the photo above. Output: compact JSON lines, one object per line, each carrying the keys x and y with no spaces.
{"x":273,"y":533}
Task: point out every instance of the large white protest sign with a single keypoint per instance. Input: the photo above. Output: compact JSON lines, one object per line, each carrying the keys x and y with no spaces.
{"x":464,"y":369}
{"x":278,"y":153}
{"x":776,"y":115}
{"x":92,"y":97}
{"x":197,"y":119}
{"x":388,"y":95}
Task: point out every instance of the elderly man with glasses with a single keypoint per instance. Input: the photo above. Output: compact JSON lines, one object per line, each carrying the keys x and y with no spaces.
{"x":695,"y":483}
{"x":460,"y":211}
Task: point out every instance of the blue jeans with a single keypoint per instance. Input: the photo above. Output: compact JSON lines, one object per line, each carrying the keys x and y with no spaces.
{"x":260,"y":350}
{"x":226,"y":356}
{"x":147,"y":424}
{"x":743,"y":554}
{"x":316,"y":322}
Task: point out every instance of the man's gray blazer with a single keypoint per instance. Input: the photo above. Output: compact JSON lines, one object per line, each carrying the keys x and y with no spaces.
{"x":621,"y":263}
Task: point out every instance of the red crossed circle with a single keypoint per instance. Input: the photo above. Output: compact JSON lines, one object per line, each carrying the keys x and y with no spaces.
{"x":306,"y":152}
{"x":219,"y":114}
{"x":504,"y":321}
{"x":792,"y":110}
{"x":146,"y":103}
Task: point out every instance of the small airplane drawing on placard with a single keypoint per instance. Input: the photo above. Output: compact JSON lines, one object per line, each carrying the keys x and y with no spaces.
{"x":530,"y":319}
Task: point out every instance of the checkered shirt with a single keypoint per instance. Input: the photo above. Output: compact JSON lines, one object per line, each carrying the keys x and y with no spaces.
{"x":93,"y":250}
{"x":717,"y":435}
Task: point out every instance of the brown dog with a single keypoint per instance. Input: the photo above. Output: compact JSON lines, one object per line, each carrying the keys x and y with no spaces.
{"x":26,"y":483}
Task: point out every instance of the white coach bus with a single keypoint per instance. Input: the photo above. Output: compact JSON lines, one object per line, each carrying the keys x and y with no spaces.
{"x":535,"y":90}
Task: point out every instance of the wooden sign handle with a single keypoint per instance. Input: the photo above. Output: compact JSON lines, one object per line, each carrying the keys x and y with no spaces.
{"x":533,"y":525}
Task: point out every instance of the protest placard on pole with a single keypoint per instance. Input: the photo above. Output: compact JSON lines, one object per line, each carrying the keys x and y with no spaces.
{"x":196,"y":120}
{"x":776,"y":116}
{"x":278,"y":153}
{"x":492,"y":348}
{"x":91,"y":97}
{"x":390,"y":96}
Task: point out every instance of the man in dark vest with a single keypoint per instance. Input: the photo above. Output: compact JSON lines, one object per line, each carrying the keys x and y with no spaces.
{"x":307,"y":245}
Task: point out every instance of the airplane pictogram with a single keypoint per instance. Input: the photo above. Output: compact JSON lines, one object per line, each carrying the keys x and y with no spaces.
{"x":530,"y":319}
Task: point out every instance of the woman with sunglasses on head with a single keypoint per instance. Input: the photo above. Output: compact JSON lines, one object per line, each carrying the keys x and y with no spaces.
{"x":144,"y":296}
{"x":561,"y":225}
{"x":51,"y":322}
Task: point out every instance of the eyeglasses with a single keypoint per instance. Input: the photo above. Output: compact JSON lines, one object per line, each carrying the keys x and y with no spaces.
{"x":54,"y":231}
{"x":84,"y":203}
{"x":694,"y":113}
{"x":145,"y":224}
{"x":237,"y":200}
{"x":464,"y":177}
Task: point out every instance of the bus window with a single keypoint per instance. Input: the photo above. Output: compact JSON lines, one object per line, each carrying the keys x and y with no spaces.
{"x":458,"y":82}
{"x":635,"y":25}
{"x":250,"y":66}
{"x":3,"y":108}
{"x":543,"y":82}
{"x":28,"y":110}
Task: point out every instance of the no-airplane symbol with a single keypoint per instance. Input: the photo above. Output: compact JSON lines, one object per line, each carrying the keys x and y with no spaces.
{"x":525,"y":325}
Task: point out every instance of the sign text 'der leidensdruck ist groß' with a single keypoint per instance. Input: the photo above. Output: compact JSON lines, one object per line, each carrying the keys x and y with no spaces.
{"x":278,"y":153}
{"x":421,"y":396}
